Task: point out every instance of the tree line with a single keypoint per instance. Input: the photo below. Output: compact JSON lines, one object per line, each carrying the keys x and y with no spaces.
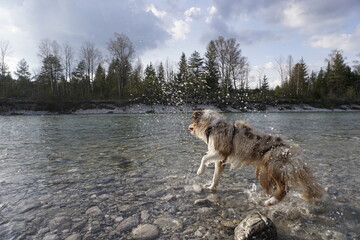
{"x":221,"y":75}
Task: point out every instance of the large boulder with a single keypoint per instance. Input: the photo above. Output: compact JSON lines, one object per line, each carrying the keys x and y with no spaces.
{"x":256,"y":226}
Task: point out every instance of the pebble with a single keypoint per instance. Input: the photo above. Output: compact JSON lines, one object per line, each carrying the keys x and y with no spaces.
{"x":51,"y":237}
{"x":197,"y":188}
{"x":95,"y":210}
{"x":60,"y":223}
{"x":203,"y":202}
{"x":144,"y":215}
{"x":169,"y":224}
{"x":74,"y":236}
{"x":333,"y":235}
{"x":145,"y":232}
{"x":127,"y":224}
{"x":332,"y":191}
{"x":205,"y":210}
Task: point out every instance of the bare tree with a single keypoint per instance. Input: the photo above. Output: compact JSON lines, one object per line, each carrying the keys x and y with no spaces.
{"x":121,"y":48}
{"x":281,"y":69}
{"x":68,"y":53}
{"x":4,"y":51}
{"x":289,"y":67}
{"x":48,"y":47}
{"x":92,"y":57}
{"x":233,"y":66}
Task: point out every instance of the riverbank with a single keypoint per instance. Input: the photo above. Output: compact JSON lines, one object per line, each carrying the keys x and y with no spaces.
{"x":110,"y":107}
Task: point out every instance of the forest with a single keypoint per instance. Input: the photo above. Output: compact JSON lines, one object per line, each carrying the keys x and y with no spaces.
{"x":219,"y":76}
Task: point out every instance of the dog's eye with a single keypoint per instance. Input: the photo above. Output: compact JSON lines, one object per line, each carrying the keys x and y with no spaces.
{"x":196,"y":115}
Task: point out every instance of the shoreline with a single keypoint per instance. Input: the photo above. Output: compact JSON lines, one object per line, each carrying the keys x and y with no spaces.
{"x":86,"y":108}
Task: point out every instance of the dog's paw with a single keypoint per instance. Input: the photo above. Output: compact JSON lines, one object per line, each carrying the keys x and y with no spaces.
{"x":212,"y":188}
{"x":200,"y":171}
{"x":270,"y":202}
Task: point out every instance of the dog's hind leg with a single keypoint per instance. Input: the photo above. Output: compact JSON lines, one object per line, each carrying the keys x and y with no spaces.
{"x":219,"y":169}
{"x":279,"y":194}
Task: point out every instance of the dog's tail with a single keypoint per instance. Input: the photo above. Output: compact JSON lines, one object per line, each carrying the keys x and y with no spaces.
{"x":312,"y":189}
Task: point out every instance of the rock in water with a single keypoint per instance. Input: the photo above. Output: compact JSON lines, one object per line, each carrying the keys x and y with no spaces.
{"x":256,"y":226}
{"x":145,"y":232}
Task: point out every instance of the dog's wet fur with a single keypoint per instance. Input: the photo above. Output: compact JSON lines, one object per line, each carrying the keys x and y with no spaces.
{"x":278,"y":163}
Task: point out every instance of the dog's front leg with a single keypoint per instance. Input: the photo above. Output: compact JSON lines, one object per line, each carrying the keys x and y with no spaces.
{"x":211,"y":156}
{"x":219,"y":168}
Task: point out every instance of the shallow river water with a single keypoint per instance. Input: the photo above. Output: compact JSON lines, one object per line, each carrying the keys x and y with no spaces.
{"x":99,"y":176}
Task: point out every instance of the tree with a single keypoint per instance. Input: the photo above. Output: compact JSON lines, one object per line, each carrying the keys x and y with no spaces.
{"x":4,"y":51}
{"x":338,"y":74}
{"x":100,"y":85}
{"x":69,"y":55}
{"x":211,"y":68}
{"x":197,"y":82}
{"x":23,"y":79}
{"x":92,"y":58}
{"x":299,"y":79}
{"x":121,"y":48}
{"x":51,"y":74}
{"x":182,"y":83}
{"x":152,"y":87}
{"x":233,"y":66}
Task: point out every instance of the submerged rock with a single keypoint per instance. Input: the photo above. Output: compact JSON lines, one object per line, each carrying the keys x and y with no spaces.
{"x":60,"y":223}
{"x":145,"y":232}
{"x":128,"y":223}
{"x":256,"y":226}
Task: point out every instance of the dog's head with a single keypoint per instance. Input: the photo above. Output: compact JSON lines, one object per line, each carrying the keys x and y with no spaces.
{"x":202,"y":120}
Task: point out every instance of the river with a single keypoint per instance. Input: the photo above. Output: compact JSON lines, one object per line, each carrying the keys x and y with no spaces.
{"x":85,"y":175}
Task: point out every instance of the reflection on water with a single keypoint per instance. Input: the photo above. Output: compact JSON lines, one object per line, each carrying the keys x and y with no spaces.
{"x":125,"y":164}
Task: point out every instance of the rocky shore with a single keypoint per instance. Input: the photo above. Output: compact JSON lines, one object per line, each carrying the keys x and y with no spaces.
{"x":109,"y":107}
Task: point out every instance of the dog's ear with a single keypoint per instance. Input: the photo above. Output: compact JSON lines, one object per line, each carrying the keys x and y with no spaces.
{"x":196,"y":115}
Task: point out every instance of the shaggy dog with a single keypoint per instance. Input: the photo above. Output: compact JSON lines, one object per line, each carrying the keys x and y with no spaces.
{"x":277,"y":162}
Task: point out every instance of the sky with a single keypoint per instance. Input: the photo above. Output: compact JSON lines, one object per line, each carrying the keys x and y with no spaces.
{"x":162,"y":29}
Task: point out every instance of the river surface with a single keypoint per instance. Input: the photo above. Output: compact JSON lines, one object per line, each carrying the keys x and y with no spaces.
{"x":86,"y":176}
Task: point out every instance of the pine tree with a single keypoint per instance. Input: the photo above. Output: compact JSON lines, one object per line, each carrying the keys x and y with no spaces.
{"x":211,"y":70}
{"x":152,"y":87}
{"x":100,"y":85}
{"x":23,"y":82}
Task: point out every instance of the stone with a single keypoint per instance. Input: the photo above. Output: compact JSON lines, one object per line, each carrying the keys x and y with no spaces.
{"x":119,"y":219}
{"x":205,"y":210}
{"x":74,"y":236}
{"x":168,"y":224}
{"x":168,"y":197}
{"x":197,"y":188}
{"x":145,"y":232}
{"x":333,"y":235}
{"x":127,"y":224}
{"x":51,"y":237}
{"x":60,"y":223}
{"x":203,"y":202}
{"x":95,"y":210}
{"x":144,"y":215}
{"x":332,"y":191}
{"x":256,"y":226}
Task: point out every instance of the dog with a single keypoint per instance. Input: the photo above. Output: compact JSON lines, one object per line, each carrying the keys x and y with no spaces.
{"x":278,"y":163}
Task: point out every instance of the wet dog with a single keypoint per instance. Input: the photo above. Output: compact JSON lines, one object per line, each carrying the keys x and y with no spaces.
{"x":278,"y":163}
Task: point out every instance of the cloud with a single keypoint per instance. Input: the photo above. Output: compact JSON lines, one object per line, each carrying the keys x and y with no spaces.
{"x":344,"y":41}
{"x":157,"y":13}
{"x":192,"y":13}
{"x":309,"y":16}
{"x":79,"y":21}
{"x":180,"y":29}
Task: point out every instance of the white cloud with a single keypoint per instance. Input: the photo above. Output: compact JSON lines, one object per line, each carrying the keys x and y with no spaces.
{"x":180,"y":29}
{"x":157,"y":13}
{"x":345,"y":41}
{"x":294,"y":15}
{"x":192,"y":13}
